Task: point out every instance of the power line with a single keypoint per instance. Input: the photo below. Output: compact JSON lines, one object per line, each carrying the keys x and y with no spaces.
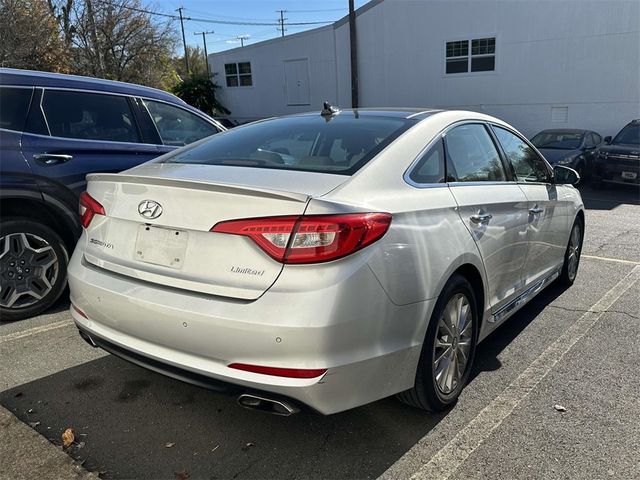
{"x":211,"y":20}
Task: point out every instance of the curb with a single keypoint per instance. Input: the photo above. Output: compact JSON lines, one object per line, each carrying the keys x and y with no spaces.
{"x":25,"y":454}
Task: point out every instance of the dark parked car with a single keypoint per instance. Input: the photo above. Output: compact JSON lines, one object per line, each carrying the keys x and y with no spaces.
{"x":54,"y":129}
{"x":572,"y":148}
{"x":618,"y":160}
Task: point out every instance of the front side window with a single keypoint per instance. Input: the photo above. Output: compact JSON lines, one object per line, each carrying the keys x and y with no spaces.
{"x":472,"y":156}
{"x":89,"y":116}
{"x":527,"y":165}
{"x":238,"y":74}
{"x":14,"y":105}
{"x":341,"y":145}
{"x":476,"y":55}
{"x":430,"y":168}
{"x":176,"y":126}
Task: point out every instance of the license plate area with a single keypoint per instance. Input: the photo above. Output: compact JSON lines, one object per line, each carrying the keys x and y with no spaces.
{"x":629,"y":175}
{"x":161,"y":246}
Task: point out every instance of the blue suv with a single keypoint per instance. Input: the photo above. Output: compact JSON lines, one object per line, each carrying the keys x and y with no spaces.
{"x":55,"y":129}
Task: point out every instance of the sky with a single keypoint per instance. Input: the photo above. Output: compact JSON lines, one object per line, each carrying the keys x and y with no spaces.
{"x":257,"y":11}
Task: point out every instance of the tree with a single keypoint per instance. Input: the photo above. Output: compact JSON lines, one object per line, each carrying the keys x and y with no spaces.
{"x":29,"y":37}
{"x":117,"y":40}
{"x":197,"y":62}
{"x":199,"y":91}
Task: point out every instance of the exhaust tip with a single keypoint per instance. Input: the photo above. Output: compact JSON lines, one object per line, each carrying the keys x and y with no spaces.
{"x":267,"y":405}
{"x":87,"y":338}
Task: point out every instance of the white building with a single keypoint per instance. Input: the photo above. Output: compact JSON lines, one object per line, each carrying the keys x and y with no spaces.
{"x":535,"y":64}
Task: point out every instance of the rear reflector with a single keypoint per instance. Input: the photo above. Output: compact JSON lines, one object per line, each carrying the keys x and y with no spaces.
{"x":280,"y":372}
{"x":89,"y":207}
{"x":79,"y":312}
{"x":310,"y":238}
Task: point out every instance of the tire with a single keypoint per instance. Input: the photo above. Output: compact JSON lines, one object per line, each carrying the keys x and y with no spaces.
{"x":428,"y":392}
{"x":572,"y":254}
{"x":33,"y":268}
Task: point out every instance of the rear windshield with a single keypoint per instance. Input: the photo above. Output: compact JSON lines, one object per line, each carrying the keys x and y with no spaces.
{"x":340,"y":144}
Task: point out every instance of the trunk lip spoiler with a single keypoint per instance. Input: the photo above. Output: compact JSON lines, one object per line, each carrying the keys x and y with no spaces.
{"x":199,"y":185}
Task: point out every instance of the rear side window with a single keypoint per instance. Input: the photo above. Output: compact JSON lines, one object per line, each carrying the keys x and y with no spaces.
{"x":430,"y":168}
{"x":14,"y":106}
{"x":90,"y":116}
{"x":341,"y":144}
{"x":472,"y":155}
{"x":528,"y":166}
{"x":176,"y":126}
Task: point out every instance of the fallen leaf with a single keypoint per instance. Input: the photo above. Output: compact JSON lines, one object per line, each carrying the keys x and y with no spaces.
{"x":559,"y":408}
{"x":169,"y":444}
{"x":67,"y":437}
{"x":181,"y":475}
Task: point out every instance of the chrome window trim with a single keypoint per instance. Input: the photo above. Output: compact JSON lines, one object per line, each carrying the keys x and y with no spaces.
{"x":205,"y":117}
{"x":441,"y":136}
{"x":46,"y":121}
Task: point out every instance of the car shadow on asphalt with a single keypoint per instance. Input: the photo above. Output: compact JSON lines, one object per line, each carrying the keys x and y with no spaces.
{"x":133,"y":423}
{"x":609,"y":197}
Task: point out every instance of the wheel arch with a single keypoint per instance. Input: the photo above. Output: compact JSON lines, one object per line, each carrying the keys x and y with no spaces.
{"x":58,"y":219}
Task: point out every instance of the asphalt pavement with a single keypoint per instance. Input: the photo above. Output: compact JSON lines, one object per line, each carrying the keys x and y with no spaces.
{"x":554,"y":394}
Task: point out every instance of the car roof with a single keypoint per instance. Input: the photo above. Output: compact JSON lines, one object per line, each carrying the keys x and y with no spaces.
{"x":397,"y":112}
{"x":565,"y":130}
{"x":31,"y":78}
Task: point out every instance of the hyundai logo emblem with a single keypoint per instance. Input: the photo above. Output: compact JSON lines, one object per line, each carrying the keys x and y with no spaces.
{"x":149,"y":209}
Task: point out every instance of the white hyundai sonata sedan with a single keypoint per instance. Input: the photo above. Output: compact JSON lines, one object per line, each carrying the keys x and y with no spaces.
{"x":327,"y":259}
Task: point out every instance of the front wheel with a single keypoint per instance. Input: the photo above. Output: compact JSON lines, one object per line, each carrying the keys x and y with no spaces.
{"x":33,"y":267}
{"x":448,"y":349}
{"x":572,"y":255}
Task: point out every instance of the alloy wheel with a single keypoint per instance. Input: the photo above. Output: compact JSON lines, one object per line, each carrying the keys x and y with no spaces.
{"x":452,"y":346}
{"x":574,"y":252}
{"x":29,"y":269}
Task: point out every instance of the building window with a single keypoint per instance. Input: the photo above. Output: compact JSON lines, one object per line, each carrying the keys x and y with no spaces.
{"x":238,"y":74}
{"x":481,"y":58}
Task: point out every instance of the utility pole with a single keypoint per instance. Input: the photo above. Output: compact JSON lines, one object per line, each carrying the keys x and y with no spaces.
{"x":354,"y":54}
{"x":281,"y":21}
{"x":184,"y":40}
{"x":204,"y":43}
{"x":242,"y":38}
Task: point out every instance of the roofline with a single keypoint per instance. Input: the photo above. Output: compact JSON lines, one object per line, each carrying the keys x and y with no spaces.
{"x":83,"y":78}
{"x":338,"y":23}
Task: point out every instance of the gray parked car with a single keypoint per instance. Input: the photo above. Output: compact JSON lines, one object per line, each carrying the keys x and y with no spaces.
{"x":571,"y":148}
{"x":369,"y":265}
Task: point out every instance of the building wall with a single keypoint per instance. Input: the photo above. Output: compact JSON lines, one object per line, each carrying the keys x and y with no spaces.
{"x":267,"y":96}
{"x":579,"y":57}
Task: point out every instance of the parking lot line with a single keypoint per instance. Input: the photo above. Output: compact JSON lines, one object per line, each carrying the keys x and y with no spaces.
{"x":608,"y":259}
{"x":35,"y":330}
{"x":450,"y":457}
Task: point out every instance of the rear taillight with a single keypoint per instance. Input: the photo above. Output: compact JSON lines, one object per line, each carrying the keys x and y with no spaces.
{"x":310,"y":238}
{"x":89,"y":207}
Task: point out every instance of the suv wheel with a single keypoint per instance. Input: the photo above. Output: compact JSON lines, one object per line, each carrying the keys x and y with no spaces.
{"x":448,"y":349}
{"x":33,"y":268}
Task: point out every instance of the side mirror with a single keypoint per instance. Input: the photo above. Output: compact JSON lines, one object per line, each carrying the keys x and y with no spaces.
{"x":565,"y":175}
{"x":607,"y":139}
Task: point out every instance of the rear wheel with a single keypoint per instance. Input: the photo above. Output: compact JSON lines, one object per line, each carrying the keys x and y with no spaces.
{"x":33,"y":268}
{"x":572,"y":255}
{"x":448,"y":350}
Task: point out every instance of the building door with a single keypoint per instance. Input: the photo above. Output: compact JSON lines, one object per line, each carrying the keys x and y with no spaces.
{"x":296,"y":76}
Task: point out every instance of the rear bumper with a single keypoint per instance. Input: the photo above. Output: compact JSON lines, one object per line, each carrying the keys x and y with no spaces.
{"x":349,"y":326}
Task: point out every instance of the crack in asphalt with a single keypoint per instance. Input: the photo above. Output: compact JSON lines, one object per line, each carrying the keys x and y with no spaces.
{"x":581,"y":310}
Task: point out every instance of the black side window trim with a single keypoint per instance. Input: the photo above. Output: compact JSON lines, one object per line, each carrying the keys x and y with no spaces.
{"x":26,"y":115}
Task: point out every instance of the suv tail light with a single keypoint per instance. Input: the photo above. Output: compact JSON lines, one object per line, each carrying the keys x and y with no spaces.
{"x":89,"y":207}
{"x":311,"y":238}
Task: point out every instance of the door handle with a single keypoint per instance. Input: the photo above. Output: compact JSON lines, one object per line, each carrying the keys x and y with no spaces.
{"x":51,"y":158}
{"x":481,"y":217}
{"x":536,"y":210}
